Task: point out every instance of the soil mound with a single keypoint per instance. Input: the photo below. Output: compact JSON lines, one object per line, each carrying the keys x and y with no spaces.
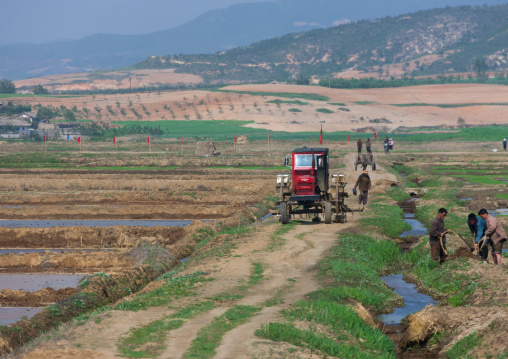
{"x":465,"y":252}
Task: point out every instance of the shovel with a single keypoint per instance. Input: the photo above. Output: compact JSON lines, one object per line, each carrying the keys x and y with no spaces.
{"x":469,"y":246}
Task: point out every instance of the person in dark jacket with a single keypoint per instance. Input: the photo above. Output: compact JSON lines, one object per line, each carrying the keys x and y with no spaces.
{"x":437,"y":237}
{"x":504,"y":144}
{"x":359,"y":145}
{"x":477,"y":226}
{"x":363,"y":183}
{"x":367,"y":145}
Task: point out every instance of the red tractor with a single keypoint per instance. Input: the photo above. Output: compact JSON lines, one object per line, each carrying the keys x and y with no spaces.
{"x":312,"y":189}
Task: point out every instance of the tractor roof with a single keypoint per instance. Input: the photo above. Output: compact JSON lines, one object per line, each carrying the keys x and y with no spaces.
{"x":310,"y":149}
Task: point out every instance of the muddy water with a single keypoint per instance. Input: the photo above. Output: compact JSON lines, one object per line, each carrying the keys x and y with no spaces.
{"x":90,"y":223}
{"x":35,"y":282}
{"x":414,"y":301}
{"x":12,"y":315}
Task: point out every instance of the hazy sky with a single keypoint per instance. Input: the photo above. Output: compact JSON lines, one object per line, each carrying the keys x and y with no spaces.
{"x":38,"y":21}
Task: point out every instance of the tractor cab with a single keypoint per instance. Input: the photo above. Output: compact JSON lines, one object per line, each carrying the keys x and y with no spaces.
{"x":311,"y":190}
{"x":309,"y":172}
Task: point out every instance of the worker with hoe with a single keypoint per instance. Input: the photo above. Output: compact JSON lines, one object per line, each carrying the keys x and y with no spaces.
{"x":363,"y":183}
{"x":496,"y":234}
{"x":437,"y":237}
{"x":386,"y":142}
{"x":477,"y":226}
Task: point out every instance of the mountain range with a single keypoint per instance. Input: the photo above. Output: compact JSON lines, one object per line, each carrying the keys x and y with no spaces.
{"x":218,"y":30}
{"x":429,"y":42}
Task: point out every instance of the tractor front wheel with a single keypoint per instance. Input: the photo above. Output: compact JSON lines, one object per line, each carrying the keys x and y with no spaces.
{"x":328,"y":213}
{"x":284,"y":216}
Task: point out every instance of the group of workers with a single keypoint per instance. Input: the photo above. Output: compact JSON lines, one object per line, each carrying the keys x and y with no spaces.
{"x":485,"y":229}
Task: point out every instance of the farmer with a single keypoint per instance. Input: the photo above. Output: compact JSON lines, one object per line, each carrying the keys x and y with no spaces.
{"x":386,"y":142}
{"x":363,"y":183}
{"x":477,"y":227}
{"x":359,"y":145}
{"x":367,"y":144}
{"x":437,"y":237}
{"x":496,"y":234}
{"x":390,"y":144}
{"x":504,"y":144}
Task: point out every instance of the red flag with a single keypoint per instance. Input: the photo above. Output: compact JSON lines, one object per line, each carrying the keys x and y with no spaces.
{"x":268,"y":137}
{"x":114,"y":140}
{"x":321,"y":136}
{"x":235,"y":138}
{"x":78,"y":139}
{"x":148,"y":140}
{"x":375,"y":135}
{"x":348,"y":137}
{"x":44,"y":138}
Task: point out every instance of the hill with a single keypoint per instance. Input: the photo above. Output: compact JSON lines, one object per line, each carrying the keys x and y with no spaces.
{"x":218,"y":30}
{"x":437,"y":41}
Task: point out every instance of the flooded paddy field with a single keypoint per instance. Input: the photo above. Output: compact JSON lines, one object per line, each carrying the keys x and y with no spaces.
{"x":58,"y":226}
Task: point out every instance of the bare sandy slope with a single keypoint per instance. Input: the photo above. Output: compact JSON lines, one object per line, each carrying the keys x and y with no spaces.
{"x":349,"y":110}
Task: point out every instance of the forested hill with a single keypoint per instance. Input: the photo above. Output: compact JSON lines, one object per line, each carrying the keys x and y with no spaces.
{"x":438,"y":41}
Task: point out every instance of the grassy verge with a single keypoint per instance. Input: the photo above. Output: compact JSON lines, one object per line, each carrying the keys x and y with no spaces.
{"x":350,"y":273}
{"x":388,"y":219}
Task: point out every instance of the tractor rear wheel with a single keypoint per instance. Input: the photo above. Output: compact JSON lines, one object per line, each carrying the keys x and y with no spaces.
{"x":284,"y":216}
{"x":328,"y":213}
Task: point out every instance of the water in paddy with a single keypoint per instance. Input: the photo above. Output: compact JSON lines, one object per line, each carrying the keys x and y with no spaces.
{"x":35,"y":282}
{"x":11,"y":315}
{"x":90,"y":223}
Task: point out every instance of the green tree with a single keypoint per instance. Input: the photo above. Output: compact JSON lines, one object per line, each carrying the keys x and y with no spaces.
{"x":69,"y":116}
{"x":39,"y":90}
{"x":7,"y":86}
{"x":480,"y":67}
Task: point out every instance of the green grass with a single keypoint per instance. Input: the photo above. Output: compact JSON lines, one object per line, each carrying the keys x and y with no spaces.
{"x":337,"y":104}
{"x":463,"y":346}
{"x":355,"y":266}
{"x":277,"y":239}
{"x":364,"y":102}
{"x":254,"y":168}
{"x":209,"y":337}
{"x":502,"y":195}
{"x":388,"y":219}
{"x":485,"y":179}
{"x":324,"y":110}
{"x":295,"y":102}
{"x":148,"y":341}
{"x":173,"y":288}
{"x":294,"y":110}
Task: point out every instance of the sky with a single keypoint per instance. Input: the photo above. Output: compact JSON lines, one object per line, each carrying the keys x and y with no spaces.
{"x":40,"y":21}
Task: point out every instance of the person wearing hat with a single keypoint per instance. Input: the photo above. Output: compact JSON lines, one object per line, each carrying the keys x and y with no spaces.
{"x":504,"y":144}
{"x":363,"y":183}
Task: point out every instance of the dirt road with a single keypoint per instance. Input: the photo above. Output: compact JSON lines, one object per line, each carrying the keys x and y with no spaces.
{"x":288,"y":274}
